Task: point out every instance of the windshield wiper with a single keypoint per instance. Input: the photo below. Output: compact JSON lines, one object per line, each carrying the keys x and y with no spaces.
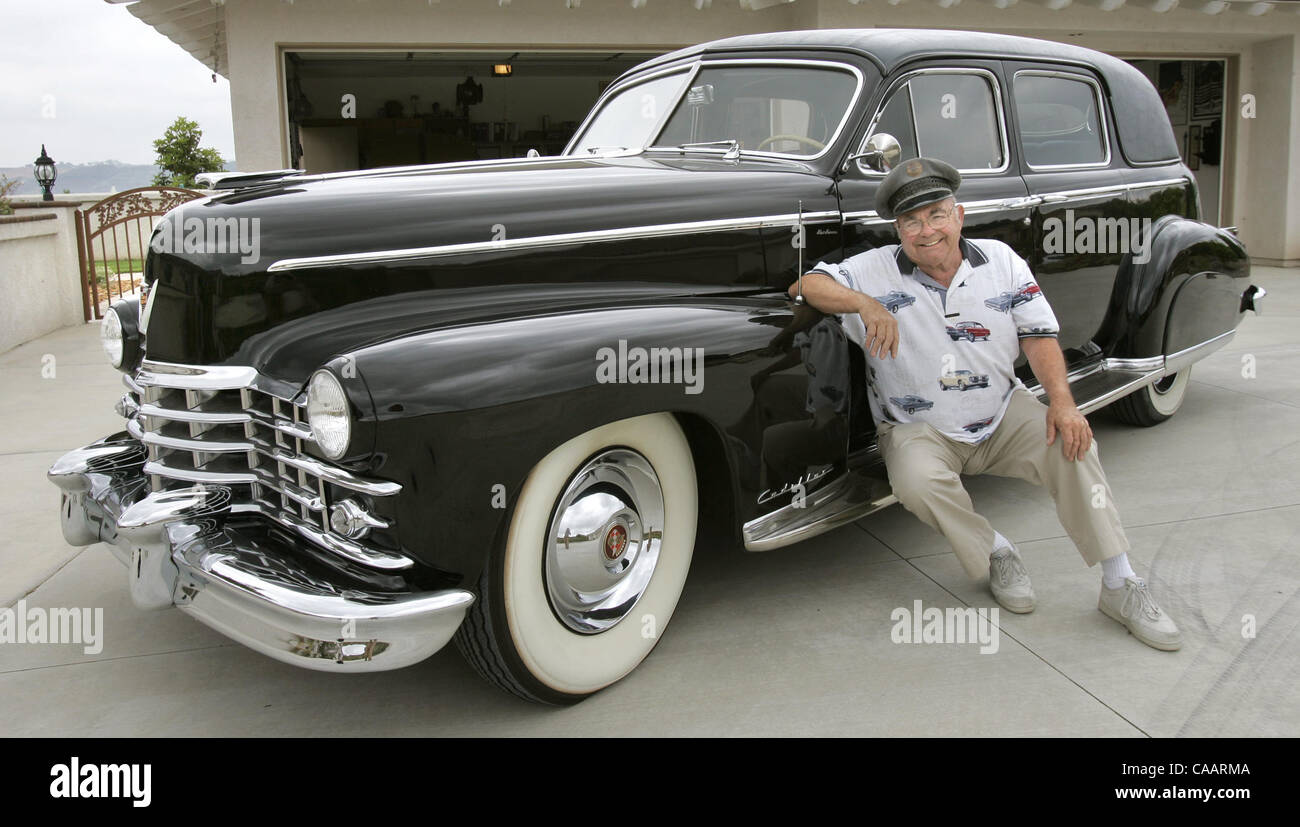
{"x":733,"y":147}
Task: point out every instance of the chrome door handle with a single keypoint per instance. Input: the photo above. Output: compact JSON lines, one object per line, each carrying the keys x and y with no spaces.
{"x":1022,"y":202}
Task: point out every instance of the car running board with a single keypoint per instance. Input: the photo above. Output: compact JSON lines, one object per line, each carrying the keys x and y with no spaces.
{"x":850,"y":496}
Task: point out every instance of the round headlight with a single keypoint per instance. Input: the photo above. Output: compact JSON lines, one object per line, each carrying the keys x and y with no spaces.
{"x":327,"y":414}
{"x":110,"y":336}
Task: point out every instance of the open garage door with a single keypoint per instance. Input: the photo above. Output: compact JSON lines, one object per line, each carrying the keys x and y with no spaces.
{"x":360,"y":110}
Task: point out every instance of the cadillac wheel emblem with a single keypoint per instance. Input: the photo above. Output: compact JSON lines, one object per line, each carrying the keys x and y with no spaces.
{"x":615,"y":542}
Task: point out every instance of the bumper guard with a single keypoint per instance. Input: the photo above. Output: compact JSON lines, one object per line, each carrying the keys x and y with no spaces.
{"x":180,"y":551}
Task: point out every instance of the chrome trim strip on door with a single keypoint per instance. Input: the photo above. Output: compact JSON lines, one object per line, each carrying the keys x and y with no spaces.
{"x":556,"y":240}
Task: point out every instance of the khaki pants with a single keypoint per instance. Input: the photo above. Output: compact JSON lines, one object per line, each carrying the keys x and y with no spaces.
{"x":924,"y":468}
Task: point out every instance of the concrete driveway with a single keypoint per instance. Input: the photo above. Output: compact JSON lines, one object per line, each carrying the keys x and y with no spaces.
{"x":789,"y":642}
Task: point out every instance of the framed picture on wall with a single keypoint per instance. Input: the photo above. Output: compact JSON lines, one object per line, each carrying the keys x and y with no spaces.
{"x":1172,"y":83}
{"x":1207,"y":100}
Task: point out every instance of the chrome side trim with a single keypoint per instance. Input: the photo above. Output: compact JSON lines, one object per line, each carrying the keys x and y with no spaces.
{"x":993,"y":204}
{"x":556,"y":240}
{"x":1163,"y":182}
{"x":1176,"y":361}
{"x":971,"y":207}
{"x":1101,"y":118}
{"x":849,"y":497}
{"x":1140,"y":365}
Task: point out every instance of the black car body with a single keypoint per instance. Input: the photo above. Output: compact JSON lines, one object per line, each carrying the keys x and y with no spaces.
{"x":500,"y":401}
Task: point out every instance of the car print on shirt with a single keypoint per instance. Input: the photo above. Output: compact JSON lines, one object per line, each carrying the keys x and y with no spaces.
{"x":911,"y":403}
{"x":971,"y":331}
{"x":1014,"y":298}
{"x":895,"y":300}
{"x":963,"y":380}
{"x":978,"y":425}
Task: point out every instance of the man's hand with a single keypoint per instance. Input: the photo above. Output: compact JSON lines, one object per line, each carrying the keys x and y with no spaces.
{"x":1048,"y":364}
{"x":882,"y":328}
{"x":1076,"y":433}
{"x":829,"y":296}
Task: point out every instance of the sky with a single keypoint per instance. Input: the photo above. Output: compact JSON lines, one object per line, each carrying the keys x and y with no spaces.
{"x":93,"y":83}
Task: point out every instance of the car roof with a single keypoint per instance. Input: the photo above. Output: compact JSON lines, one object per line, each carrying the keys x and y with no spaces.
{"x":1144,"y":139}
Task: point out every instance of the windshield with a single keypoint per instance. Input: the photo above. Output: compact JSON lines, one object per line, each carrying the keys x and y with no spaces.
{"x":782,"y":109}
{"x":627,"y":119}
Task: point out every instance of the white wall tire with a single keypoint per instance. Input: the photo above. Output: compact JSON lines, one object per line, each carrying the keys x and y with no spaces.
{"x":1156,"y":402}
{"x":518,"y":636}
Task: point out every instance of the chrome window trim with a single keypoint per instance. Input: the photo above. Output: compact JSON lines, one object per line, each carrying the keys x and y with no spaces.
{"x":613,"y":91}
{"x":1101,"y":118}
{"x":871,"y":216}
{"x":556,"y":240}
{"x":1163,"y":182}
{"x":699,"y":65}
{"x":942,"y":70}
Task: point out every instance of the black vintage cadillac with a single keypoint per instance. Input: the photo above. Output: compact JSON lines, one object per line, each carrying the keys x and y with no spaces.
{"x":505,"y":401}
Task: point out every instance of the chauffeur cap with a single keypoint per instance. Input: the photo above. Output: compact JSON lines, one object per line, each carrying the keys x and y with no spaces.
{"x":913,"y":184}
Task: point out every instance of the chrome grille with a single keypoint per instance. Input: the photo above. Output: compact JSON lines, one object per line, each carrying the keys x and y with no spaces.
{"x":196,"y":431}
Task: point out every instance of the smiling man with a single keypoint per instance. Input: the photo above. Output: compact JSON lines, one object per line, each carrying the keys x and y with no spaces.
{"x":914,"y":305}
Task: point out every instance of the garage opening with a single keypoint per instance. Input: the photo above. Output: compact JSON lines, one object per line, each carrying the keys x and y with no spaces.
{"x":1193,"y":94}
{"x":361,"y":110}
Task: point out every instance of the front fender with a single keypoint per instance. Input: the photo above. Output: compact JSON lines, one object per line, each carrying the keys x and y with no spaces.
{"x":464,"y":413}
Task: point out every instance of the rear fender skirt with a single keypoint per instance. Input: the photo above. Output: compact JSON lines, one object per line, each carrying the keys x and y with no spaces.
{"x":1186,"y":289}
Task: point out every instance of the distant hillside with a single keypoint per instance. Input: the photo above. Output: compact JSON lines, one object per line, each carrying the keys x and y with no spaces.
{"x":100,"y":176}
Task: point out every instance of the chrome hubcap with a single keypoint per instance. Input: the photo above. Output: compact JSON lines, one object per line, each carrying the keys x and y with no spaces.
{"x":604,"y":541}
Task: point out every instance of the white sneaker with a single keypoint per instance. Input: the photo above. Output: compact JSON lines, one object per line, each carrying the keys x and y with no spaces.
{"x":1009,"y":581}
{"x":1132,"y":605}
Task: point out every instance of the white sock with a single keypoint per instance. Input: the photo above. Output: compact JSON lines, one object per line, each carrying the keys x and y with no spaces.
{"x":1114,"y":570}
{"x":999,"y":541}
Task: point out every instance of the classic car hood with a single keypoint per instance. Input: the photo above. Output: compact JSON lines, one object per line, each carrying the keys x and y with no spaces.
{"x":462,"y":203}
{"x":297,"y":288}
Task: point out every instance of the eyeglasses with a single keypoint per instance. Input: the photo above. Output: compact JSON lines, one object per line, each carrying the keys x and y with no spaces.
{"x":937,"y":219}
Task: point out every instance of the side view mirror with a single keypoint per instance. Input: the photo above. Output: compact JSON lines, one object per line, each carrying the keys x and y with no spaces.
{"x":882,"y":153}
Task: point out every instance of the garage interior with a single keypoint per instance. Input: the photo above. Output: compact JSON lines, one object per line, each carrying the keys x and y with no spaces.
{"x":361,"y":110}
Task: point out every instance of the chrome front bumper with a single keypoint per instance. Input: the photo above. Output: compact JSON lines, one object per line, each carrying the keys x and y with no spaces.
{"x":182,"y":548}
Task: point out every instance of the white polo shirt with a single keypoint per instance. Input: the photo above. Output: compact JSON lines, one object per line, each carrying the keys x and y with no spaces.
{"x":957,"y":347}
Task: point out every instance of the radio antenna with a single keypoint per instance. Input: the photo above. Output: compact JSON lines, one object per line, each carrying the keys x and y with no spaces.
{"x":798,"y":242}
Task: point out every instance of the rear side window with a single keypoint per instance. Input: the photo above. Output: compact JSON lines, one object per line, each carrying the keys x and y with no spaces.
{"x":952,"y":116}
{"x":1060,"y":121}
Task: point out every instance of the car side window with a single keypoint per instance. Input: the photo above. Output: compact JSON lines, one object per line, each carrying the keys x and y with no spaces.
{"x":1060,"y":120}
{"x":956,"y":120}
{"x":896,"y":119}
{"x":948,"y":115}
